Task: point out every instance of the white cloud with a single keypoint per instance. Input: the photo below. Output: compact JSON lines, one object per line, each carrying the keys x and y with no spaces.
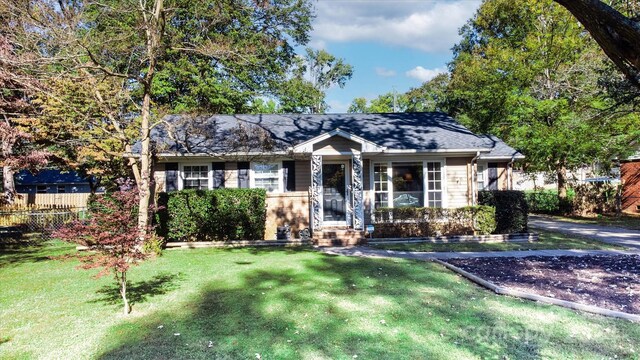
{"x":337,"y":106}
{"x":423,"y":74}
{"x":427,"y":26}
{"x":384,"y":72}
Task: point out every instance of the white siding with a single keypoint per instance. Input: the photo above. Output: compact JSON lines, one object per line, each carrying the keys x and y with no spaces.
{"x":457,"y":182}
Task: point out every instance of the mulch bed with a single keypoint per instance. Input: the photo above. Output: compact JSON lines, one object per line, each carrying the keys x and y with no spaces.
{"x":610,"y":282}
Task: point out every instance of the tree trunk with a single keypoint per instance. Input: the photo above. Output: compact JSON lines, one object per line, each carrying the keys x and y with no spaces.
{"x":617,"y":35}
{"x":123,"y":293}
{"x":144,"y":186}
{"x":154,"y":29}
{"x":8,"y":184}
{"x":563,"y":202}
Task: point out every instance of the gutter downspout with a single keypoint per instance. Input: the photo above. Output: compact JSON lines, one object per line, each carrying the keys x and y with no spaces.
{"x":510,"y":172}
{"x":474,"y":182}
{"x":474,"y":178}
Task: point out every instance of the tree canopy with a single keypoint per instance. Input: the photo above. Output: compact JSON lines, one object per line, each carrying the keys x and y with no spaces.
{"x":526,"y":72}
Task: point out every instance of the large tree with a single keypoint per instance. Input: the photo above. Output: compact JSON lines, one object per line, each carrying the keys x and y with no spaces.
{"x":17,"y":150}
{"x":525,"y":71}
{"x":136,"y":45}
{"x":615,"y":28}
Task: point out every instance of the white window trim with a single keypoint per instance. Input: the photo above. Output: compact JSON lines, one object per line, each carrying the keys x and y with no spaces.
{"x":443,"y":182}
{"x":252,"y":175}
{"x":425,"y":185}
{"x":209,"y":174}
{"x":484,"y":173}
{"x":372,"y":184}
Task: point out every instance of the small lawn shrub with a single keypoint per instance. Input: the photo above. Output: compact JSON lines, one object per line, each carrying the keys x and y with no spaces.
{"x":547,"y":202}
{"x":222,"y":214}
{"x":424,"y":222}
{"x":511,"y":209}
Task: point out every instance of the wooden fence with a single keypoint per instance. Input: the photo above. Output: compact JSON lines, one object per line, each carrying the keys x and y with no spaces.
{"x":49,"y":201}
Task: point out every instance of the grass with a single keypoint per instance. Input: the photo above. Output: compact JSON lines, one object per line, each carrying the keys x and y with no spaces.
{"x":548,"y":240}
{"x":283,"y":304}
{"x":624,"y":221}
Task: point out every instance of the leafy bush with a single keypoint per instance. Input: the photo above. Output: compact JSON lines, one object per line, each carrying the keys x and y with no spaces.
{"x":423,"y":222}
{"x":511,"y":209}
{"x":222,"y":214}
{"x":595,"y":198}
{"x":547,"y":202}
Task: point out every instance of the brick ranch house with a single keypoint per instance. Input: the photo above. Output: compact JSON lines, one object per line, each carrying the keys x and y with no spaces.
{"x":327,"y":172}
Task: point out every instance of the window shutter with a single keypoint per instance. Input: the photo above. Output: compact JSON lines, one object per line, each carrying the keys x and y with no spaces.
{"x":289,"y":175}
{"x":493,"y":176}
{"x":218,"y":174}
{"x":243,"y":174}
{"x":171,"y":176}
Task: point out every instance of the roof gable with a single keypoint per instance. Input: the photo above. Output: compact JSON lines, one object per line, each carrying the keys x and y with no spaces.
{"x":308,"y":146}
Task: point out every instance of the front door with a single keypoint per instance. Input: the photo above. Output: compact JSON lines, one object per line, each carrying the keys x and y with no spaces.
{"x":334,"y":182}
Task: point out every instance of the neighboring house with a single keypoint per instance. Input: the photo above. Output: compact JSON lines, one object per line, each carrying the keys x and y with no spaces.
{"x":630,"y":177}
{"x":51,"y":181}
{"x":328,"y":172}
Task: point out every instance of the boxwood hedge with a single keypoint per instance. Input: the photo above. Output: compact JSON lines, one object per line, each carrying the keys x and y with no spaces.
{"x":423,"y":222}
{"x":511,"y":209}
{"x":208,"y":215}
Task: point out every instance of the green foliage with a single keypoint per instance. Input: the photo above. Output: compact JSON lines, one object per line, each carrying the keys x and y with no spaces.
{"x":222,"y":214}
{"x":511,"y":209}
{"x":525,"y":71}
{"x":424,"y":222}
{"x":430,"y":96}
{"x":311,"y":76}
{"x":545,"y":201}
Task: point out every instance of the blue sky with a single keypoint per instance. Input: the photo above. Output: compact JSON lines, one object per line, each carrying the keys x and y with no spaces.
{"x":390,"y":43}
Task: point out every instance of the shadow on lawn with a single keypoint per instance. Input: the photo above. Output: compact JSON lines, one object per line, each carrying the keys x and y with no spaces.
{"x":333,"y":309}
{"x":15,"y":252}
{"x":139,"y":291}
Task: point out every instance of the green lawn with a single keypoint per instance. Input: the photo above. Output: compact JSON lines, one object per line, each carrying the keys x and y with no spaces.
{"x":625,"y":221}
{"x":548,"y":240}
{"x":283,"y":304}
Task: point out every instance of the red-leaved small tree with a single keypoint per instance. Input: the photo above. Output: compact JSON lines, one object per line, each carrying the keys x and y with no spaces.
{"x":112,"y":236}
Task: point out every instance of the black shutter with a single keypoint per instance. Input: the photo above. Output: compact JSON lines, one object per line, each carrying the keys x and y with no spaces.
{"x":493,"y":176}
{"x":289,"y":175}
{"x":243,"y":174}
{"x":171,"y":176}
{"x":218,"y":174}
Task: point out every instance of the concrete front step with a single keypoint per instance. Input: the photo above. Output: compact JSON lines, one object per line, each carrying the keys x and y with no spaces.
{"x":338,"y":237}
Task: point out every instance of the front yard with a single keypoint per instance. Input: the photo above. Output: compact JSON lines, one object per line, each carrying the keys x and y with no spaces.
{"x":548,"y":240}
{"x":279,"y":304}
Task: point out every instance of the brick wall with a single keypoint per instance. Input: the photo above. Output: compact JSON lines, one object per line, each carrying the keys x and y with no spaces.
{"x":630,"y":175}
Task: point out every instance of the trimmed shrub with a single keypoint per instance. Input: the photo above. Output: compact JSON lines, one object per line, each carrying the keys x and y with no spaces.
{"x":424,"y":222}
{"x":204,"y":215}
{"x":511,"y":209}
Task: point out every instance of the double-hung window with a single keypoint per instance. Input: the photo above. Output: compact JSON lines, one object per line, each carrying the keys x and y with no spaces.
{"x":480,"y":174}
{"x":195,"y":177}
{"x":267,"y":176}
{"x":434,"y":184}
{"x":381,"y":185}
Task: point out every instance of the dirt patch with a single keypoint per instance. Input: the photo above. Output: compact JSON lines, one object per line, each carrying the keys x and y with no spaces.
{"x":610,"y":282}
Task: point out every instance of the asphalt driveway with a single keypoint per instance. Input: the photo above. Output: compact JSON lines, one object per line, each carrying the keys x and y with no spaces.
{"x":608,"y":234}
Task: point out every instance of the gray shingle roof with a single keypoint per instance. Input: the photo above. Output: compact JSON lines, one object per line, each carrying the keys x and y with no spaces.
{"x":395,"y":131}
{"x":499,"y":149}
